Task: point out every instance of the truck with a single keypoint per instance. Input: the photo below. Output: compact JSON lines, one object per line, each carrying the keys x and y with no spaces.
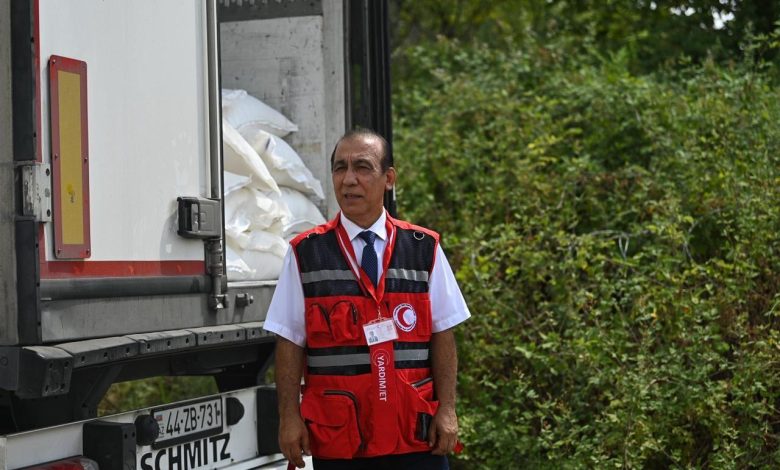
{"x":112,"y":226}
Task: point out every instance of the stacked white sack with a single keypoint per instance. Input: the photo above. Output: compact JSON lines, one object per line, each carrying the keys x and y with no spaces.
{"x":267,"y":202}
{"x":243,"y":110}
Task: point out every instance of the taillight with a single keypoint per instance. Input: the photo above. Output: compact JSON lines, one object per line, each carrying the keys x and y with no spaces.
{"x":73,"y":463}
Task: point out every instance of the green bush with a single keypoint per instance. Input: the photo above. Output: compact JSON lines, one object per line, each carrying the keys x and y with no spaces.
{"x":135,"y":394}
{"x":618,"y":240}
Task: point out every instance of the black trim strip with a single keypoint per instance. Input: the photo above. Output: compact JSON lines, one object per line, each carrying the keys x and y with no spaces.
{"x":332,"y":288}
{"x":23,"y":80}
{"x":399,"y":345}
{"x":365,"y":368}
{"x":336,"y":350}
{"x":27,"y":275}
{"x":340,"y":370}
{"x":94,"y":288}
{"x":402,"y":285}
{"x":23,"y":119}
{"x":413,"y":364}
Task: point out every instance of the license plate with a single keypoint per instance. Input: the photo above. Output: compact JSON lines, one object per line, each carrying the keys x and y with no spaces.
{"x":188,"y":421}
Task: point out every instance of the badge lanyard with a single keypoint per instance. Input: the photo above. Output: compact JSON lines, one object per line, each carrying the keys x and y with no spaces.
{"x":376,"y":292}
{"x":379,"y":334}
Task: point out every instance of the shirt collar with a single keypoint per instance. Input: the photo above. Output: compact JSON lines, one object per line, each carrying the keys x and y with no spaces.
{"x":353,"y":229}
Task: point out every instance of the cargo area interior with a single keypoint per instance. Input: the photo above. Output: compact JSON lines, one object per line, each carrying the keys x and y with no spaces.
{"x":283,"y":108}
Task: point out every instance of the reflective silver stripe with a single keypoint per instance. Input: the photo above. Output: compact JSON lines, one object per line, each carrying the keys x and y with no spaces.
{"x":327,"y":275}
{"x":407,"y":274}
{"x":338,"y":360}
{"x":411,"y":355}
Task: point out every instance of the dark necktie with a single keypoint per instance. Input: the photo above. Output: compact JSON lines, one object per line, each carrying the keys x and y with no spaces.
{"x":369,"y":262}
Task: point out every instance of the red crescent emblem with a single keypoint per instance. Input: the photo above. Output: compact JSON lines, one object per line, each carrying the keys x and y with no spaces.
{"x":405,"y":317}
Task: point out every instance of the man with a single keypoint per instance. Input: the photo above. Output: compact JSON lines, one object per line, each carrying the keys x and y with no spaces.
{"x":364,"y":309}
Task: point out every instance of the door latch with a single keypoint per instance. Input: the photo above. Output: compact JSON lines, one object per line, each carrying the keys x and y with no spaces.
{"x":199,"y":218}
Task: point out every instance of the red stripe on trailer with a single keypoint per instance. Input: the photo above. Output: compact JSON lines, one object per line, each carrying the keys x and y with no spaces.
{"x":76,"y":269}
{"x":114,"y":268}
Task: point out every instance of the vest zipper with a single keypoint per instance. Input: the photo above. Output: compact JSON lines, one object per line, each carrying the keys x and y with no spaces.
{"x":352,"y":397}
{"x":422,"y":382}
{"x":326,"y":316}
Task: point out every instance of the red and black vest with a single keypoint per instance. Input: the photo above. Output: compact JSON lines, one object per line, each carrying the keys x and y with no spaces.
{"x":361,"y":401}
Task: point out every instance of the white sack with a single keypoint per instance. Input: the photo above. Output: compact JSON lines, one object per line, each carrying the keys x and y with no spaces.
{"x":284,"y":163}
{"x":237,"y":269}
{"x":303,"y":214}
{"x":260,"y":240}
{"x":233,"y":182}
{"x":250,"y":209}
{"x":236,"y":221}
{"x":241,"y":158}
{"x":244,"y":111}
{"x":246,"y":265}
{"x":265,"y":266}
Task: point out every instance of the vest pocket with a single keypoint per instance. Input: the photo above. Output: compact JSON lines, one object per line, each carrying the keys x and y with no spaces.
{"x":337,"y":322}
{"x":344,"y":321}
{"x":332,"y":418}
{"x":421,"y":408}
{"x":317,"y":322}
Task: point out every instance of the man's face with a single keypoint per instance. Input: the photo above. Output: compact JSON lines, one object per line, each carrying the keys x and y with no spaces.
{"x":358,"y":179}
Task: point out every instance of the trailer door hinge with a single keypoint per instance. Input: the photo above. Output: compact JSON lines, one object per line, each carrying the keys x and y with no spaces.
{"x":36,"y":191}
{"x":215,"y":263}
{"x":202,"y":218}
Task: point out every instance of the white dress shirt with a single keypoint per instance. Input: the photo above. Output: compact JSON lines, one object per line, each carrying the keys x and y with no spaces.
{"x":286,"y":314}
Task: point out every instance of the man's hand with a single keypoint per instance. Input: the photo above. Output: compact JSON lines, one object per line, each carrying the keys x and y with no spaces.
{"x":443,"y":433}
{"x":293,"y":435}
{"x":294,"y":439}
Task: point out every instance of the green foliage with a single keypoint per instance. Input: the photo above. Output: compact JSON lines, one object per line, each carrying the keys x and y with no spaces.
{"x":618,"y":240}
{"x":126,"y":396}
{"x":650,"y":33}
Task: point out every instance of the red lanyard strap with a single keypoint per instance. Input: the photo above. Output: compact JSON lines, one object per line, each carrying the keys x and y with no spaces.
{"x":378,"y":292}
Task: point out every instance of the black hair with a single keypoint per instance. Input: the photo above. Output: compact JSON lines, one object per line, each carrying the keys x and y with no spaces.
{"x":384,"y":158}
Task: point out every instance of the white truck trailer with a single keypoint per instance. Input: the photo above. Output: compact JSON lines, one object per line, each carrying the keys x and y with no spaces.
{"x":112,"y":245}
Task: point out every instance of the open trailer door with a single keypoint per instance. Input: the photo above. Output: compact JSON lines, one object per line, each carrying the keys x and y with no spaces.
{"x":113,"y":111}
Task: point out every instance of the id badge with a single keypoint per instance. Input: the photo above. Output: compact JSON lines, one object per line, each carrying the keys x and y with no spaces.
{"x":380,"y":331}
